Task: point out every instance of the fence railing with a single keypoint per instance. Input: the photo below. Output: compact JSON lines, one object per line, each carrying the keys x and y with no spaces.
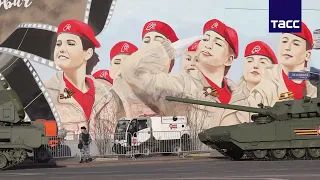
{"x":125,"y":144}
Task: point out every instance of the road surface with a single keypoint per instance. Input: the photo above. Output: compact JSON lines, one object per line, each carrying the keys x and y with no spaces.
{"x":183,"y":170}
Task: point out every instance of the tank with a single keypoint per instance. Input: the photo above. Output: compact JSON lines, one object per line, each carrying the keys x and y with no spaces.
{"x":17,"y":138}
{"x":288,"y":130}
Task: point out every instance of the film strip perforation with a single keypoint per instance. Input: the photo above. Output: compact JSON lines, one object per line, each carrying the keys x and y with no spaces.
{"x":44,"y":91}
{"x":87,"y":12}
{"x":22,"y":54}
{"x":111,"y":11}
{"x":38,"y":26}
{"x":113,"y":5}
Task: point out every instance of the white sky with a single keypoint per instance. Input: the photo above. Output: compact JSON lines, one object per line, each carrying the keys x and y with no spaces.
{"x":248,"y":17}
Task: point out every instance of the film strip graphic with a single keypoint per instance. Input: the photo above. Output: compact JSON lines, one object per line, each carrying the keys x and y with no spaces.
{"x":38,"y":59}
{"x":38,"y":26}
{"x":23,"y":78}
{"x":33,"y":41}
{"x":98,"y":14}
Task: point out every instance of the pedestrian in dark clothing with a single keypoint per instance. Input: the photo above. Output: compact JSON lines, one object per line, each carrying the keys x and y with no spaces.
{"x":84,"y":142}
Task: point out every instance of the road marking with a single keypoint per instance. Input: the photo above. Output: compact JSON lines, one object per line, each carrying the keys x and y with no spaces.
{"x":220,"y":178}
{"x":92,"y":172}
{"x":22,"y":174}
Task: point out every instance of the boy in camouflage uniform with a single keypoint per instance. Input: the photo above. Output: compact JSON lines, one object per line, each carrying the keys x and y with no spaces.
{"x":84,"y":142}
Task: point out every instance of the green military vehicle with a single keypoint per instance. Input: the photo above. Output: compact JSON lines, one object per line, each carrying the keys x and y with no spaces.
{"x":288,"y":130}
{"x":17,"y":138}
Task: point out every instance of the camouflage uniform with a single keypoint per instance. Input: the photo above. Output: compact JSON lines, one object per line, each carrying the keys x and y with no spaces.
{"x":85,"y":150}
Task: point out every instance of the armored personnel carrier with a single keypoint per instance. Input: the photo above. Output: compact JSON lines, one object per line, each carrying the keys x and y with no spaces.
{"x":288,"y":130}
{"x":17,"y":137}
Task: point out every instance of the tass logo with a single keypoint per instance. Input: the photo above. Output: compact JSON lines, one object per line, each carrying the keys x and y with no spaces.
{"x":282,"y":24}
{"x":285,"y":16}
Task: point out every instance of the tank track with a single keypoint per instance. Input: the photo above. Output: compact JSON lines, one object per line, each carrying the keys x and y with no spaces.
{"x":16,"y":156}
{"x":249,"y":155}
{"x":287,"y":157}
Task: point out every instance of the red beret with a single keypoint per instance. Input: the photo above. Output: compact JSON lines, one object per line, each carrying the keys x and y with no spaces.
{"x":161,"y":28}
{"x":194,"y":46}
{"x":78,"y":28}
{"x":260,"y":48}
{"x":103,"y":74}
{"x":225,"y":31}
{"x":122,"y":47}
{"x":305,"y":34}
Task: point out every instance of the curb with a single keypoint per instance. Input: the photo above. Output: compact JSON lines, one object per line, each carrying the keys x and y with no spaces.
{"x":136,"y":161}
{"x":113,"y":161}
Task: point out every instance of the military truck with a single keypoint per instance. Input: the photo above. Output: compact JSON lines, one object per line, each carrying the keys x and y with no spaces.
{"x":17,"y":138}
{"x":288,"y":130}
{"x":166,"y":135}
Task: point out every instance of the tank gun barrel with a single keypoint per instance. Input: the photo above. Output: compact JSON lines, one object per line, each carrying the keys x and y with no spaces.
{"x":219,"y":105}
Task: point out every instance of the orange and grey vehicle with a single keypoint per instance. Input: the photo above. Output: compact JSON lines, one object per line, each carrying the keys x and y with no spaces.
{"x":288,"y":130}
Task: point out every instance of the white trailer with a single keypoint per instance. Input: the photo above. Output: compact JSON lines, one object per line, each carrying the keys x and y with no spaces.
{"x":164,"y":135}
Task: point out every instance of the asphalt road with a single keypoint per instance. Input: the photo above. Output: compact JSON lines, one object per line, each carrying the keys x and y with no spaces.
{"x":199,"y":169}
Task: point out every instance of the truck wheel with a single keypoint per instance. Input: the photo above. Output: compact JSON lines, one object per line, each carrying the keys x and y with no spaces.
{"x":3,"y":160}
{"x":176,"y":148}
{"x":185,"y":143}
{"x":42,"y":154}
{"x":145,"y":150}
{"x":118,"y":149}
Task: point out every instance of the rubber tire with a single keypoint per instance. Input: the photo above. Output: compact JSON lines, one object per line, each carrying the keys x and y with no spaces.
{"x":45,"y":150}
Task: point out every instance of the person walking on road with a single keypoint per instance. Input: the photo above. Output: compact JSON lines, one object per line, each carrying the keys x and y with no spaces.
{"x":84,"y":142}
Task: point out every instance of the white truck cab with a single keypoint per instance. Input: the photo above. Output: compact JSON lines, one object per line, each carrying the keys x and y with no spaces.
{"x":152,"y":134}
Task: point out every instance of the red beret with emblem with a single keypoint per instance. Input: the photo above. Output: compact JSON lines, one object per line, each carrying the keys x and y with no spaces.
{"x":229,"y":34}
{"x":160,"y":27}
{"x":103,"y":74}
{"x":122,"y":47}
{"x":305,"y":34}
{"x":260,"y":48}
{"x":78,"y":28}
{"x":194,"y":46}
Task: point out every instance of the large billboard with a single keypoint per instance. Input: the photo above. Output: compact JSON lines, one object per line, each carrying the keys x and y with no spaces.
{"x":141,"y":51}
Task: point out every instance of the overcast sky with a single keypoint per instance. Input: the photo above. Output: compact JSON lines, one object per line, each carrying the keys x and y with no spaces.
{"x":248,"y":17}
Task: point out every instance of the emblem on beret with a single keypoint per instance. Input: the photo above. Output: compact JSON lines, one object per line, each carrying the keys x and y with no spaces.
{"x":125,"y":47}
{"x":194,"y":47}
{"x":104,"y":74}
{"x":67,"y":27}
{"x":210,"y":91}
{"x":215,"y":25}
{"x":66,"y":94}
{"x":256,"y":49}
{"x":151,"y":25}
{"x":286,"y":95}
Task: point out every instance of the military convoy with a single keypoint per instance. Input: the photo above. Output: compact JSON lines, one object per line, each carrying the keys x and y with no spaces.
{"x":17,"y":138}
{"x":288,"y":130}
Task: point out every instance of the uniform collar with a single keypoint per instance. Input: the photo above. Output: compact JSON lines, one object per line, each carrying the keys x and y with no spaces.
{"x":88,"y":80}
{"x":237,"y":93}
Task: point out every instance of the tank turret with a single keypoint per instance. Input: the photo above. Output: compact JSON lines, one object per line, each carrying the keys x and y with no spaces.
{"x":263,"y":111}
{"x":11,"y":108}
{"x":281,"y":111}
